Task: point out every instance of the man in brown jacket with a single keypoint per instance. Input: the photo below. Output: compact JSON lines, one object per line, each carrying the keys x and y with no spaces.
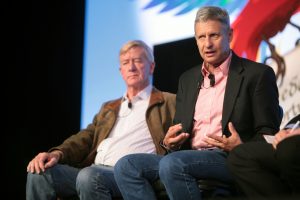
{"x":83,"y":164}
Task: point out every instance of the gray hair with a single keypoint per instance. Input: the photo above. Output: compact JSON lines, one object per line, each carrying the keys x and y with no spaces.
{"x":213,"y":13}
{"x":138,"y":43}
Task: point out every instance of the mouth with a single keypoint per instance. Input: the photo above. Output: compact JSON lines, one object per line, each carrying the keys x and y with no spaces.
{"x":209,"y":53}
{"x":133,"y":76}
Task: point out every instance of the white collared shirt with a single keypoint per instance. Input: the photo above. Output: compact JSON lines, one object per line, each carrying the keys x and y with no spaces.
{"x":130,"y":133}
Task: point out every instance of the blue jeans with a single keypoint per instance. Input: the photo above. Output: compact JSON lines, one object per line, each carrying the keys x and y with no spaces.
{"x":179,"y":172}
{"x":135,"y":173}
{"x":93,"y":182}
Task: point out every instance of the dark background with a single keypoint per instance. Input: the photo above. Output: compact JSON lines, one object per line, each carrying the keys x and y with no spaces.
{"x":172,"y":59}
{"x":43,"y":84}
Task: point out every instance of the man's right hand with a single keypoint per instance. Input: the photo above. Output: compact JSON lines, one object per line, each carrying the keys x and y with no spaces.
{"x":43,"y":161}
{"x":283,"y":134}
{"x":173,"y":140}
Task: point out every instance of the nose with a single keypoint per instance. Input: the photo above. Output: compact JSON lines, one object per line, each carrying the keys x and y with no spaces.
{"x":132,"y":66}
{"x":207,"y":42}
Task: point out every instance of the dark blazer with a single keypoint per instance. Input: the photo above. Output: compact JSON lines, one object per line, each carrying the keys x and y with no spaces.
{"x":250,"y":101}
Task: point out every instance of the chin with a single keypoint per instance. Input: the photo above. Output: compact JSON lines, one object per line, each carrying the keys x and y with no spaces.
{"x":211,"y":60}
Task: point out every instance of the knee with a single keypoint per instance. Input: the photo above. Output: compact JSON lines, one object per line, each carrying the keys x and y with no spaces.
{"x":36,"y":179}
{"x":39,"y":186}
{"x":137,"y":166}
{"x":91,"y":180}
{"x":85,"y":178}
{"x":133,"y":163}
{"x":37,"y":183}
{"x":126,"y":164}
{"x":169,"y":165}
{"x":122,"y":164}
{"x":124,"y":169}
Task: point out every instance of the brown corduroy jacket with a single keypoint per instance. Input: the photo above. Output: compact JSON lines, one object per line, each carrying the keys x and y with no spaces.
{"x":80,"y":150}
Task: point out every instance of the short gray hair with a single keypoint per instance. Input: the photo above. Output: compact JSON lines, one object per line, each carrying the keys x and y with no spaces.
{"x":138,"y":43}
{"x":213,"y":13}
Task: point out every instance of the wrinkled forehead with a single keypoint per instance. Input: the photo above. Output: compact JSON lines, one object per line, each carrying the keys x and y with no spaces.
{"x":133,"y":52}
{"x":132,"y":49}
{"x":210,"y":26}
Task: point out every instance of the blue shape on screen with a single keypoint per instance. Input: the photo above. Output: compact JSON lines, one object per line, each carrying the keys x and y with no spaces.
{"x":189,"y":5}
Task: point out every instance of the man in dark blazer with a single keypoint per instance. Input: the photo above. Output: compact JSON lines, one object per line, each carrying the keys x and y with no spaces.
{"x":250,"y":99}
{"x":269,"y":171}
{"x":224,"y":102}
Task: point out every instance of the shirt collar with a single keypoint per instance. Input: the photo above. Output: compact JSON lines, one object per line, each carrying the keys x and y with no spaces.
{"x":142,"y":95}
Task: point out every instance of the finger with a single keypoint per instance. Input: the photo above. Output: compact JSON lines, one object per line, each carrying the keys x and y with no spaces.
{"x":220,"y":145}
{"x":278,"y":138}
{"x":211,"y":141}
{"x":32,"y":166}
{"x":41,"y":165}
{"x":175,"y":127}
{"x":171,"y":136}
{"x":276,"y":141}
{"x":217,"y":138}
{"x":176,"y":142}
{"x":179,"y":139}
{"x":274,"y":144}
{"x":49,"y":164}
{"x":172,"y":142}
{"x":232,"y":128}
{"x":36,"y":167}
{"x":29,"y":167}
{"x":173,"y":130}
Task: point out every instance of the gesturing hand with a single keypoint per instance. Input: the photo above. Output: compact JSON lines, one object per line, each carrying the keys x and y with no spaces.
{"x":223,"y":142}
{"x":173,"y":140}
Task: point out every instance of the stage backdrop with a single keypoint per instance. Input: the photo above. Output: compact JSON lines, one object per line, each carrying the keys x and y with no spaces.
{"x":264,"y":30}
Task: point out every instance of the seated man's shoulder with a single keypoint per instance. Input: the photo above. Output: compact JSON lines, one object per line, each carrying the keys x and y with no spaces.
{"x":165,"y":94}
{"x":169,"y":95}
{"x":253,"y":65}
{"x":111,"y":103}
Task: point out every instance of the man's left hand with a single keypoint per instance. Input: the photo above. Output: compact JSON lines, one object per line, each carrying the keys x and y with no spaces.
{"x":223,"y":142}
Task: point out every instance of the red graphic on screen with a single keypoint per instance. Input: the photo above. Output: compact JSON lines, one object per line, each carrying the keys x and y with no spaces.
{"x":259,"y":20}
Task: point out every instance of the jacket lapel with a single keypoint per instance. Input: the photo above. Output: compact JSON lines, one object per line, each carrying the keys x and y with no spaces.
{"x":234,"y":83}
